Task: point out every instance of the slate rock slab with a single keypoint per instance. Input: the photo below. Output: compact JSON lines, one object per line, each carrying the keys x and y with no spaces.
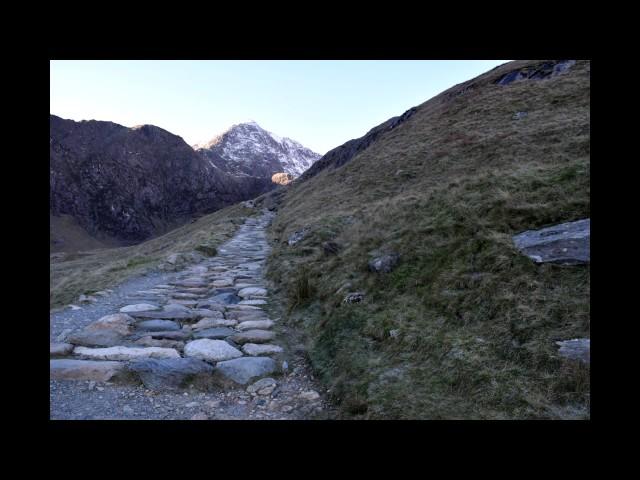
{"x":64,"y":369}
{"x":565,"y":243}
{"x":172,"y":373}
{"x":576,"y":349}
{"x":243,"y":370}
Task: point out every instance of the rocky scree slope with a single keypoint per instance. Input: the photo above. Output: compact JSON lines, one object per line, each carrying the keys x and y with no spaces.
{"x":398,"y":261}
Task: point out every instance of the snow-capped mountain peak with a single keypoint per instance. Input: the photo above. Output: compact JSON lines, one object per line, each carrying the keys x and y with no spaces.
{"x":250,"y":149}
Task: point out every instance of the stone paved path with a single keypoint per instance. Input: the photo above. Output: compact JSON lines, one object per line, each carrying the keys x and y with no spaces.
{"x":198,"y":344}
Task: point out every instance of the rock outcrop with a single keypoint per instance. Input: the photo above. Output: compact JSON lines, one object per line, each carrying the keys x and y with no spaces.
{"x":566,"y":243}
{"x":134,"y":183}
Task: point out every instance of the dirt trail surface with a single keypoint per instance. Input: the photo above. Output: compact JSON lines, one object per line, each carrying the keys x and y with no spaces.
{"x":193,"y":345}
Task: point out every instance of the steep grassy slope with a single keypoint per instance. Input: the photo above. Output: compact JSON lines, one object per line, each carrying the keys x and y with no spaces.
{"x":474,"y":322}
{"x":85,"y":272}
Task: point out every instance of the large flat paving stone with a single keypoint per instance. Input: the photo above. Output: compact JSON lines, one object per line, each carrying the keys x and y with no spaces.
{"x":243,"y":370}
{"x":158,"y":325}
{"x":255,"y":324}
{"x":211,"y":350}
{"x":253,"y":336}
{"x":64,"y":369}
{"x":247,"y":293}
{"x":125,"y":353}
{"x":172,"y":373}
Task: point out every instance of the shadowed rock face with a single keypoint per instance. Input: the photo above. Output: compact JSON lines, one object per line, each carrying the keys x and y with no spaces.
{"x":133,"y":183}
{"x":537,"y":72}
{"x":566,"y":243}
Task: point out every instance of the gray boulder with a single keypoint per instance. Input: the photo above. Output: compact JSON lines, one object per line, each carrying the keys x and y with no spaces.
{"x":85,"y":370}
{"x":172,"y":373}
{"x":243,"y":370}
{"x":253,"y":336}
{"x":158,"y":325}
{"x":565,"y":244}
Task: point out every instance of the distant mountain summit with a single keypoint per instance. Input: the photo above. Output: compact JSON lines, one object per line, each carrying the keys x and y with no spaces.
{"x":248,"y":149}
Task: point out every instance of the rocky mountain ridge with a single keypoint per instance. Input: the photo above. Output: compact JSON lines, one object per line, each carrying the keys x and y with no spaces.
{"x":129,"y":184}
{"x":248,"y":149}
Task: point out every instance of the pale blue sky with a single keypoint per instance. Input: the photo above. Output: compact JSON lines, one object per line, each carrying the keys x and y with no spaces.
{"x":320,"y":103}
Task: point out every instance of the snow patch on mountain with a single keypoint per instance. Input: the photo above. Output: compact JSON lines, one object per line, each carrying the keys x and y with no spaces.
{"x":248,"y":147}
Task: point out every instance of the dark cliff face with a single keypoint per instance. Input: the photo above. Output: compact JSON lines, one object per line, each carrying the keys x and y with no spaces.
{"x":132,"y":183}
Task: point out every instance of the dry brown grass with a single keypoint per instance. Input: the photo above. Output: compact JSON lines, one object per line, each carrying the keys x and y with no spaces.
{"x":447,"y":189}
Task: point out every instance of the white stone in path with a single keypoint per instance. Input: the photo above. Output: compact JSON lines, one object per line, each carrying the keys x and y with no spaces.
{"x":225,"y":282}
{"x":211,"y":350}
{"x":260,"y":324}
{"x":252,"y":292}
{"x":139,"y":307}
{"x":125,"y":353}
{"x":255,"y":350}
{"x":252,"y":302}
